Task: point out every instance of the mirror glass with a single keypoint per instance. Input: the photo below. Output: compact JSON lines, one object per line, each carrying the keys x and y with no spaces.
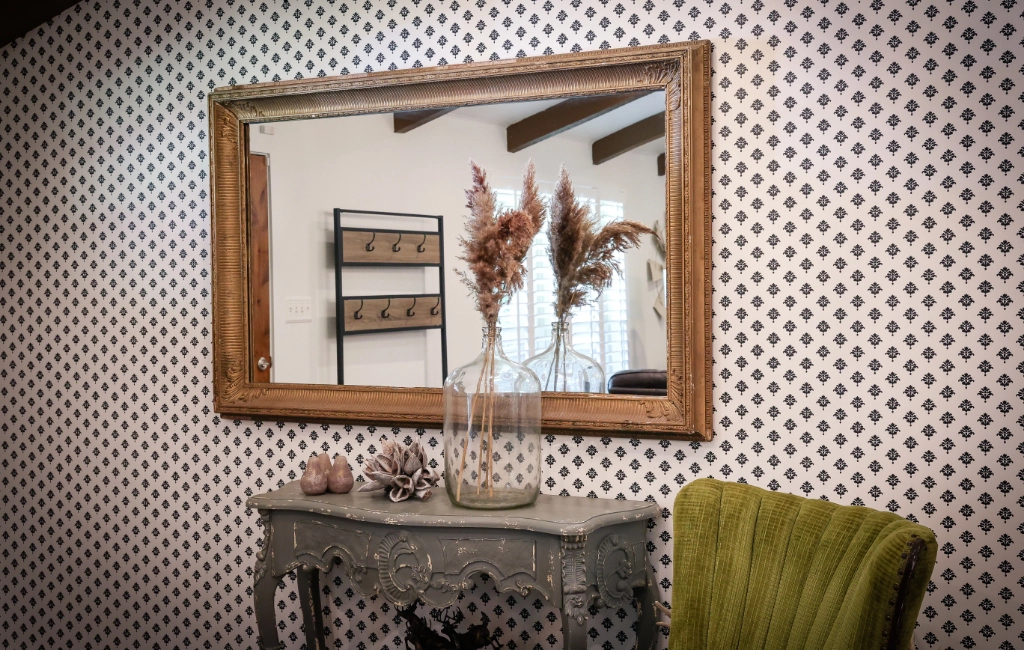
{"x":356,"y":223}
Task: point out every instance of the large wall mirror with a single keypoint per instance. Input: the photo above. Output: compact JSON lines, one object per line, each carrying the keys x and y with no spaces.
{"x":339,"y":204}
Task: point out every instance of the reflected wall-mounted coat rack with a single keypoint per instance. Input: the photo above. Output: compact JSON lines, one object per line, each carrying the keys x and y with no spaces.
{"x":382,"y":247}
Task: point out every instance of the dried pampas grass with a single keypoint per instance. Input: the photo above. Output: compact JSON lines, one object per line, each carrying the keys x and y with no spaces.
{"x":583,"y":255}
{"x":495,"y":246}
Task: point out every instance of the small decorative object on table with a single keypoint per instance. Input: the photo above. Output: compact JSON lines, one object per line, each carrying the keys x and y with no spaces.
{"x":492,"y":405}
{"x":583,"y":260}
{"x":341,"y":480}
{"x":320,"y":476}
{"x":401,"y":471}
{"x":314,"y":479}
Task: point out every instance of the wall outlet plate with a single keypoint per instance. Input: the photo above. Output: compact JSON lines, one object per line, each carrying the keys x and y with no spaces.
{"x":298,"y":310}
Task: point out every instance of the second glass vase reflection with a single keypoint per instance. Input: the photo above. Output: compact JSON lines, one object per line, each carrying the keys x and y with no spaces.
{"x":561,"y":368}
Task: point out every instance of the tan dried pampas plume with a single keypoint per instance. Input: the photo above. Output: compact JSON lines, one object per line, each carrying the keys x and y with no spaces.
{"x":495,"y":246}
{"x":583,"y":254}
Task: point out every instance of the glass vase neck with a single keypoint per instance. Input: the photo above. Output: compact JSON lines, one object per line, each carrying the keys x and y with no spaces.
{"x":490,"y":334}
{"x":491,"y":339}
{"x":560,"y":327}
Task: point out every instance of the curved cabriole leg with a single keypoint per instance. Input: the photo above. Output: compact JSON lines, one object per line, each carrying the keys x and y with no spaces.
{"x":266,"y":618}
{"x":264,"y":588}
{"x":646,"y":616}
{"x":575,"y":594}
{"x":574,"y":624}
{"x":312,"y":613}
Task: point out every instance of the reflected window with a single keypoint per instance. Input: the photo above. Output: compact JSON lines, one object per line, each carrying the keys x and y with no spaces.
{"x":599,"y":330}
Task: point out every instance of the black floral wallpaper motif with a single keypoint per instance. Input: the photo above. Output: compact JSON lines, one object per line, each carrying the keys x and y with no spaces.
{"x":869,"y":305}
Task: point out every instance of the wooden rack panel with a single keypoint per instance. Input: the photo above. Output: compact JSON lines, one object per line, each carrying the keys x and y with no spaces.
{"x":396,"y":247}
{"x":384,"y":247}
{"x":392,"y":313}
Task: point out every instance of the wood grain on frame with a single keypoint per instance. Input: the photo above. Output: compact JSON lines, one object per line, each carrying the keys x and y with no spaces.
{"x":682,"y":70}
{"x":259,"y":262}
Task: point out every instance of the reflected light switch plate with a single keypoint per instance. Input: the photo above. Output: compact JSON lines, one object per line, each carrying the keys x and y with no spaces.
{"x":298,"y":310}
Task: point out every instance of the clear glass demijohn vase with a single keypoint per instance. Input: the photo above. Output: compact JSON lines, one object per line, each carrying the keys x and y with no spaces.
{"x":492,"y":434}
{"x":561,"y":368}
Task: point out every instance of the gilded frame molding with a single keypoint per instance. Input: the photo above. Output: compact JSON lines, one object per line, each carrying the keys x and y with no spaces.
{"x":683,"y":70}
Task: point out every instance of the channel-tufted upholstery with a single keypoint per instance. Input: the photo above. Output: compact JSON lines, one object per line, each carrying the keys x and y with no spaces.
{"x":760,"y":570}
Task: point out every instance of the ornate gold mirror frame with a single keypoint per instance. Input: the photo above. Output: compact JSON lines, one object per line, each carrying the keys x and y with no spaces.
{"x":682,"y":70}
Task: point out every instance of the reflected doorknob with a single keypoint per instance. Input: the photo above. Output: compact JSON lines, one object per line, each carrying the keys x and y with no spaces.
{"x":263,"y":363}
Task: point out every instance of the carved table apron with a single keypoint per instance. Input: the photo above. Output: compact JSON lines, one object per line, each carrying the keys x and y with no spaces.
{"x":572,"y":551}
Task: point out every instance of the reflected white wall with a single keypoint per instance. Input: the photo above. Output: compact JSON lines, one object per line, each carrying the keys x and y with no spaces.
{"x":360,"y":163}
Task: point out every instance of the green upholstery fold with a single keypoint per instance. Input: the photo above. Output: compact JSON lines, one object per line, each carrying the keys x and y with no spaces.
{"x":760,"y":570}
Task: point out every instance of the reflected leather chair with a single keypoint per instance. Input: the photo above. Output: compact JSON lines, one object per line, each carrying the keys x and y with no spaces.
{"x":773,"y":571}
{"x":638,"y":382}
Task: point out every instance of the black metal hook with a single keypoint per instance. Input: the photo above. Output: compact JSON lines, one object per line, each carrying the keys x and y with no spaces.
{"x":409,"y":312}
{"x":395,"y":247}
{"x":369,"y":244}
{"x":384,"y":312}
{"x":420,"y":248}
{"x":434,"y":310}
{"x":357,"y":315}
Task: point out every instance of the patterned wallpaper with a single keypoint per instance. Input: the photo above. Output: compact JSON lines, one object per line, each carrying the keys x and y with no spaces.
{"x":868,"y":308}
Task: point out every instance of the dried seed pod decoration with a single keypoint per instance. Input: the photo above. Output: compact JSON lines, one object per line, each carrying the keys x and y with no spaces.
{"x":400,"y":471}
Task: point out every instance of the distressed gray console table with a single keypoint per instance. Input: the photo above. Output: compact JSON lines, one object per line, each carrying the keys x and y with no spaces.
{"x":572,"y":551}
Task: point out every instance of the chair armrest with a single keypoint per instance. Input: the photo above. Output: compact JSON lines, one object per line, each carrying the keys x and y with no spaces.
{"x":881,"y":607}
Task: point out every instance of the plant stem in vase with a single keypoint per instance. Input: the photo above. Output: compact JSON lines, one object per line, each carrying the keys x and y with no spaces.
{"x":504,"y":395}
{"x":584,"y":259}
{"x":562,"y":368}
{"x":492,"y":411}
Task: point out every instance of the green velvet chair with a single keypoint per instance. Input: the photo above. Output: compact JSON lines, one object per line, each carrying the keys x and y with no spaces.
{"x":760,"y":570}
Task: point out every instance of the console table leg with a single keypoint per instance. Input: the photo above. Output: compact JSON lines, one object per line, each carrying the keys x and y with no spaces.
{"x":574,"y":633}
{"x":312,"y":613}
{"x":266,"y":618}
{"x":646,"y":616}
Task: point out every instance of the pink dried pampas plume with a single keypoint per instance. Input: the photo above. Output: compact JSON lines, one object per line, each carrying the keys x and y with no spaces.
{"x":582,"y":253}
{"x":495,"y":246}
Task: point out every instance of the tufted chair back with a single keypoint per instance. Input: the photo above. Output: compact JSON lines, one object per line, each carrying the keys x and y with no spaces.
{"x":760,"y":570}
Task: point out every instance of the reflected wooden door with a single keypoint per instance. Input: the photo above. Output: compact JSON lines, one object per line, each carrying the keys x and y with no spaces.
{"x":259,"y":264}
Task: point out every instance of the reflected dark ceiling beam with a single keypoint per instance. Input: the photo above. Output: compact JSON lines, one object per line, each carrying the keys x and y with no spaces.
{"x":408,"y":120}
{"x":633,"y":136}
{"x":661,"y":164}
{"x":562,"y":117}
{"x":22,"y":17}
